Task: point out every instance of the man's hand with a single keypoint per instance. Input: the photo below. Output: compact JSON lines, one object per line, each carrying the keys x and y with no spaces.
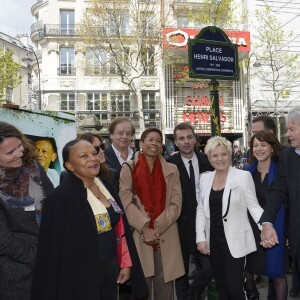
{"x":268,"y":236}
{"x":124,"y":275}
{"x":203,"y":247}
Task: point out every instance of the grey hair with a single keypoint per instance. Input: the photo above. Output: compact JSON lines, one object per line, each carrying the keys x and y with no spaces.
{"x":216,"y":141}
{"x":293,"y":116}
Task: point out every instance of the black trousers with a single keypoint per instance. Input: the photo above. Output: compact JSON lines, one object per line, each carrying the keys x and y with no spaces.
{"x":187,"y":291}
{"x":228,"y":273}
{"x":109,"y":271}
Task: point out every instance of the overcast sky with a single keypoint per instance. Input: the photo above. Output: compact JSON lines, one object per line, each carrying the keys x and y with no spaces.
{"x":15,"y":16}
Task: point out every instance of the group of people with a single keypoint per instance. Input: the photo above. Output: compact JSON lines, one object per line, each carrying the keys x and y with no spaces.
{"x":119,"y":216}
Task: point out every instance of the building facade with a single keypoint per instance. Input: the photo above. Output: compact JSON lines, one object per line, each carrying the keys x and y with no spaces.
{"x":73,"y":79}
{"x":19,"y":47}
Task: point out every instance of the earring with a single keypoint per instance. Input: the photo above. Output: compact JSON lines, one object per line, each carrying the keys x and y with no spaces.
{"x":141,"y":150}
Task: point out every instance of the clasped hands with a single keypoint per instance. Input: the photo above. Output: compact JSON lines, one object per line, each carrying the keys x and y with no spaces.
{"x":268,"y":236}
{"x":150,"y":236}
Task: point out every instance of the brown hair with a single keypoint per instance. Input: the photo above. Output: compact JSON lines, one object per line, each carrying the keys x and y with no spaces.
{"x":7,"y":130}
{"x":183,"y":126}
{"x":268,"y":137}
{"x":118,"y":120}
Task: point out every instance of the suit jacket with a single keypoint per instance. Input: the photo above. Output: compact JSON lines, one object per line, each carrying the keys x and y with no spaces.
{"x":239,"y":195}
{"x":111,"y":159}
{"x":67,"y":259}
{"x":187,"y":218}
{"x":137,"y":216}
{"x":286,"y":186}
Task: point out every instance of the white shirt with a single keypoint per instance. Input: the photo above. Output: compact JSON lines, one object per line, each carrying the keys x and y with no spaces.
{"x":118,"y":154}
{"x":195,"y":164}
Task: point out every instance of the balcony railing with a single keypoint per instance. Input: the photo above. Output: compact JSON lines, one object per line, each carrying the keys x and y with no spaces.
{"x":66,"y":71}
{"x":57,"y":29}
{"x":37,"y":26}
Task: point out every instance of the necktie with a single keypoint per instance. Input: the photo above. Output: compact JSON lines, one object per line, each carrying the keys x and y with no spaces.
{"x":192,"y":174}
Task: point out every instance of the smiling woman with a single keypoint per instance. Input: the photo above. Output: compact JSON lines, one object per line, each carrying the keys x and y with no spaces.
{"x":85,"y":246}
{"x":152,"y":210}
{"x":222,"y":227}
{"x":23,"y":185}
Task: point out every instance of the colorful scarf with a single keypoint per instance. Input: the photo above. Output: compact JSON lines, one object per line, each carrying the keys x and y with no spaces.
{"x":15,"y":185}
{"x":150,"y":187}
{"x":275,"y":255}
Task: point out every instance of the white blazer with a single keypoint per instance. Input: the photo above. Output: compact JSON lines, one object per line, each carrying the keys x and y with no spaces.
{"x":239,"y":195}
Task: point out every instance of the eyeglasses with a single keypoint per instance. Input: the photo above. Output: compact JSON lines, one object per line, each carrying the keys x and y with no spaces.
{"x":101,"y":146}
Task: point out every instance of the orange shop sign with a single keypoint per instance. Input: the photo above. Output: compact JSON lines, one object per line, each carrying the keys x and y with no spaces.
{"x":177,"y":38}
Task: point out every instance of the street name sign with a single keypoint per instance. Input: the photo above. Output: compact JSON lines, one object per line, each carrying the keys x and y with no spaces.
{"x":213,"y":56}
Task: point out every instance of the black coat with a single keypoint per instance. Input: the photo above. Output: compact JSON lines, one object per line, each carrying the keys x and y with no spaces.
{"x":187,"y":219}
{"x":286,"y":186}
{"x":111,"y":159}
{"x":66,"y":264}
{"x":18,"y":242}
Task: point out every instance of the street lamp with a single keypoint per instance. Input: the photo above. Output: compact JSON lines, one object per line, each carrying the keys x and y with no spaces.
{"x":256,"y":64}
{"x":29,"y":60}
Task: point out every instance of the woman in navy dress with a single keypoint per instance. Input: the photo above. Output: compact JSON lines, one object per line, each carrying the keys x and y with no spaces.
{"x":264,"y":155}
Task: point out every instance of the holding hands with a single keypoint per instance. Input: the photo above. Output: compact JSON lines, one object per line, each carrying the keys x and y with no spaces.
{"x":268,"y":236}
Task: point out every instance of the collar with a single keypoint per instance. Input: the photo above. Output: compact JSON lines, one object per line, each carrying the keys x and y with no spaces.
{"x":297,"y":151}
{"x":118,"y":153}
{"x":186,"y":160}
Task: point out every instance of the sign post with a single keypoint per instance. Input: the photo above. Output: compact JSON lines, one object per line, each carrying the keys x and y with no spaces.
{"x":212,"y":56}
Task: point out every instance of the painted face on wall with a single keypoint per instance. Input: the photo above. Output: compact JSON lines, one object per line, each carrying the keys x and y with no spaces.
{"x":45,"y":153}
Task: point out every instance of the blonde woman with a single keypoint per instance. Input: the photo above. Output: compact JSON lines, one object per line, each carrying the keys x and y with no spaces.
{"x":223,"y":230}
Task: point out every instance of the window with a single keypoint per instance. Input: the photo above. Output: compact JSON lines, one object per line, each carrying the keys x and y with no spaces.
{"x":182,"y":22}
{"x":120,"y":104}
{"x":118,"y":22}
{"x":148,"y":23}
{"x":67,"y":57}
{"x":101,"y":62}
{"x":67,"y":21}
{"x":67,"y":101}
{"x":149,"y":104}
{"x":148,"y":62}
{"x":96,"y":62}
{"x":97,"y":101}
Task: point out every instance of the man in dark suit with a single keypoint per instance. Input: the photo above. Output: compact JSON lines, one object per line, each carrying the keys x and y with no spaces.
{"x":190,"y":164}
{"x":121,"y":131}
{"x":286,"y":186}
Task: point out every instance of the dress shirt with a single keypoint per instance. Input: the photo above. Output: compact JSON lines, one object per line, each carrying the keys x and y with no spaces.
{"x":118,"y":154}
{"x":195,"y":163}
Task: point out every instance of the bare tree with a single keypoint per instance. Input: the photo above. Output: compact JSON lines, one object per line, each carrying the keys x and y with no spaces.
{"x":123,"y":38}
{"x":280,"y":72}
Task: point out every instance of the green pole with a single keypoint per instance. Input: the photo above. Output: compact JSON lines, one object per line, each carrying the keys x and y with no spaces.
{"x":214,"y":108}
